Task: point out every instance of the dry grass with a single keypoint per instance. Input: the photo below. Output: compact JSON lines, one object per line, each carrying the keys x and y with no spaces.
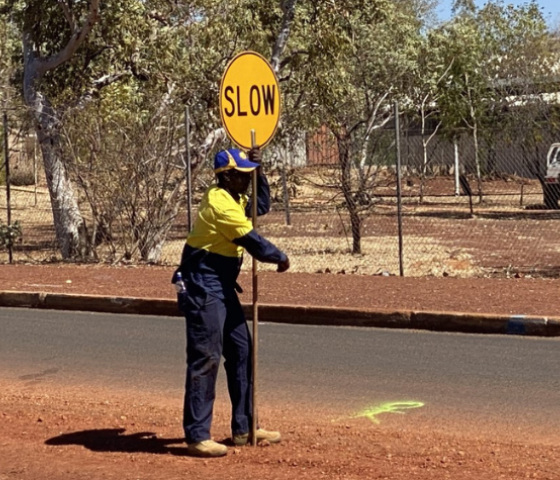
{"x":440,"y":235}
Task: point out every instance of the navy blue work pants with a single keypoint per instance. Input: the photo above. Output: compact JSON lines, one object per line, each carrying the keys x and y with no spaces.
{"x":216,"y":327}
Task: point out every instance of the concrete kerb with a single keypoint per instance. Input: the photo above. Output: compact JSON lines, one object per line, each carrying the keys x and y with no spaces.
{"x":484,"y":323}
{"x":303,"y":315}
{"x":22,"y":299}
{"x":89,"y":303}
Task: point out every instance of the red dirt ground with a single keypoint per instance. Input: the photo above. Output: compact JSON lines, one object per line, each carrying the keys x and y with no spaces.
{"x":528,"y":296}
{"x":51,"y":431}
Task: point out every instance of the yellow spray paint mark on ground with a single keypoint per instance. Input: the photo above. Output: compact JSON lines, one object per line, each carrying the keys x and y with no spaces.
{"x":391,"y":407}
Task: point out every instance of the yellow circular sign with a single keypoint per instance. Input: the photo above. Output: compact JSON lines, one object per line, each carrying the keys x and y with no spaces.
{"x":250,"y":100}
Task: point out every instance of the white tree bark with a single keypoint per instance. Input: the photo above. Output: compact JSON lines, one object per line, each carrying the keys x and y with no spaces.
{"x":433,"y":98}
{"x":425,"y":142}
{"x":69,"y":223}
{"x":373,"y":124}
{"x":474,"y":127}
{"x":289,"y":10}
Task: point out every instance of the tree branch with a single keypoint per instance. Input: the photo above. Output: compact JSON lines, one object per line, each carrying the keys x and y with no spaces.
{"x":166,"y":100}
{"x":155,"y":15}
{"x":76,"y":40}
{"x":68,"y":14}
{"x":371,"y":122}
{"x":97,"y":85}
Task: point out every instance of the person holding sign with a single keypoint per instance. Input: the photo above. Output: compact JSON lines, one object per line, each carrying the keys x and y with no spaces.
{"x":216,"y":325}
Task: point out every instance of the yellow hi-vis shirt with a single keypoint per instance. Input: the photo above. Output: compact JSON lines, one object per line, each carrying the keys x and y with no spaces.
{"x":213,"y":253}
{"x":220,"y":220}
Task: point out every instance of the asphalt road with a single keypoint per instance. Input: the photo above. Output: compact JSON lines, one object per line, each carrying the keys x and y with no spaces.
{"x":481,"y":380}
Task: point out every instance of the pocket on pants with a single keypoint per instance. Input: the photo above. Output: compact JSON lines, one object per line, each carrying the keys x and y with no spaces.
{"x":192,"y":302}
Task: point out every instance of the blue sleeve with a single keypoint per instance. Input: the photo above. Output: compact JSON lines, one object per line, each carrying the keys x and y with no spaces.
{"x":263,"y":198}
{"x":260,"y":248}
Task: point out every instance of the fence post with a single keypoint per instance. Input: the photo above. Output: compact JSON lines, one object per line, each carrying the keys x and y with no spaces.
{"x":8,"y":191}
{"x":188,"y":168}
{"x":35,"y":173}
{"x":286,"y":193}
{"x":399,"y":191}
{"x":457,"y":167}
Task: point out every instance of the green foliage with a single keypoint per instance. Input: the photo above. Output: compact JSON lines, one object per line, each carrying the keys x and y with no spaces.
{"x":344,"y":65}
{"x":494,"y":52}
{"x":10,"y":234}
{"x":357,"y":52}
{"x":339,"y":56}
{"x":10,"y":56}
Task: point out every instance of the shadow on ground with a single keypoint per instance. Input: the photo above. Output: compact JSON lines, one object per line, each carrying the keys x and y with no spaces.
{"x":115,"y":440}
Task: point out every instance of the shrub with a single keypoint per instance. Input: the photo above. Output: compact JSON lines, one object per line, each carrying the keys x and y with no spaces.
{"x":22,"y":176}
{"x":9,"y":234}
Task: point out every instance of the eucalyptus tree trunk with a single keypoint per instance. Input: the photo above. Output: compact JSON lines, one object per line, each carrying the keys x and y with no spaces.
{"x":350,"y":199}
{"x":474,"y":128}
{"x":477,"y":159}
{"x":289,"y":12}
{"x":68,"y":221}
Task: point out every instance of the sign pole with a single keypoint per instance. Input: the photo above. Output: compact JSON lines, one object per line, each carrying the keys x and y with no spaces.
{"x":255,"y":309}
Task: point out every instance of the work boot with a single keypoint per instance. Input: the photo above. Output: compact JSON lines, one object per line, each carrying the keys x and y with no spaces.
{"x":244,"y":438}
{"x":206,"y":448}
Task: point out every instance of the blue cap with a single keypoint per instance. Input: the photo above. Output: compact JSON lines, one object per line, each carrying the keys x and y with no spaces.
{"x":233,"y":159}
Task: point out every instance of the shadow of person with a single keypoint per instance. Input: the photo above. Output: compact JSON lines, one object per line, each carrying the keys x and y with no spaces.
{"x":114,"y":440}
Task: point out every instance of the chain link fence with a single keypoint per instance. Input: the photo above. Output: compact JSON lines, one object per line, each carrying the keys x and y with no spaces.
{"x":464,"y":210}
